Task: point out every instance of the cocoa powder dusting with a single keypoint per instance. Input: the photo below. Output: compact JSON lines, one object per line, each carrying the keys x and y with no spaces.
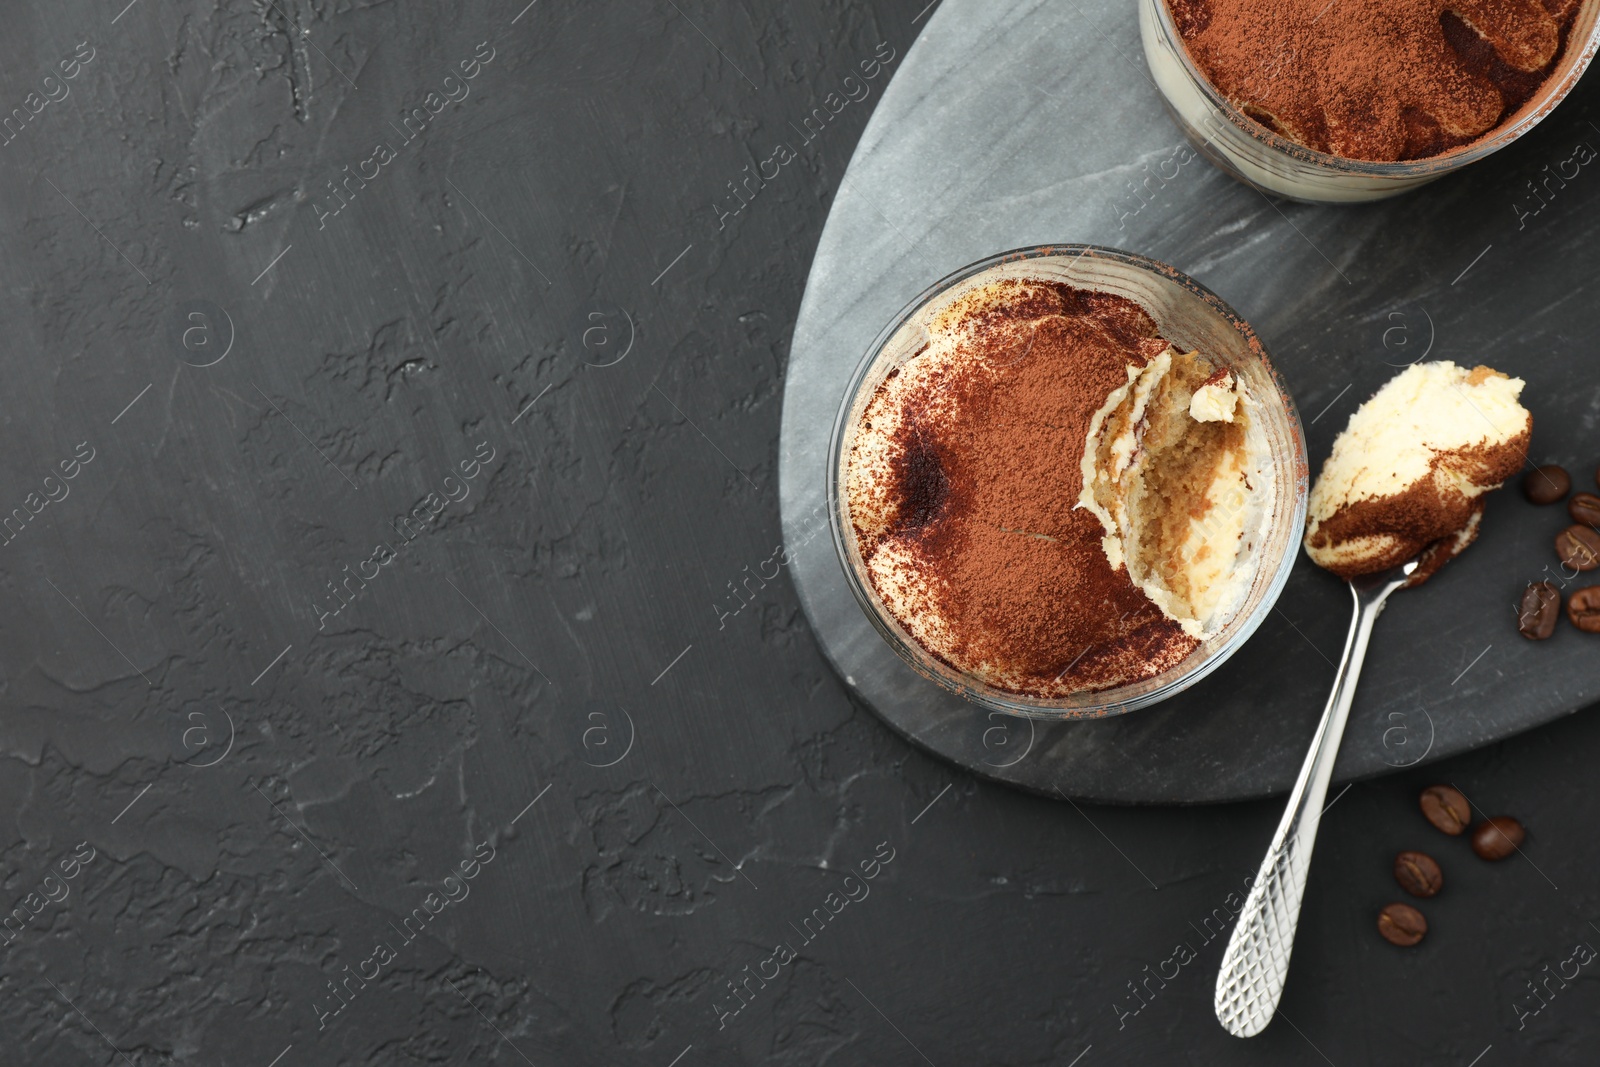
{"x":1377,"y":80}
{"x":984,"y":503}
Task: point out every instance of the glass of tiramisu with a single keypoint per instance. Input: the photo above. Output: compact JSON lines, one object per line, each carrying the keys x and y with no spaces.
{"x":1347,"y":100}
{"x":1066,"y":482}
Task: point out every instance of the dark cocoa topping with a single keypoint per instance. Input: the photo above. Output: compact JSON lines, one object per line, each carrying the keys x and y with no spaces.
{"x":921,"y":487}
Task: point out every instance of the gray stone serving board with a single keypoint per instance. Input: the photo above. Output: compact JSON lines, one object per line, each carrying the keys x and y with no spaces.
{"x":1034,"y":121}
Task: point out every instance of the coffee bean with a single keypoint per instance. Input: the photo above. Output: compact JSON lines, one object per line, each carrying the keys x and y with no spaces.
{"x":1446,"y":809}
{"x":1401,"y":924}
{"x":1541,"y":606}
{"x":1584,"y":508}
{"x":1418,"y":874}
{"x":1579,"y":548}
{"x":1546,"y":485}
{"x":1583,"y":608}
{"x":1497,"y":838}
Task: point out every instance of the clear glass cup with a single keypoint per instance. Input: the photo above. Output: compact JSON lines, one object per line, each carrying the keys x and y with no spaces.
{"x":1189,"y":315}
{"x":1256,"y":156}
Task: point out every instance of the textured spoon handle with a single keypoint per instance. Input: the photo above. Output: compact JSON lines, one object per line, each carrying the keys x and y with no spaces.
{"x":1256,"y":964}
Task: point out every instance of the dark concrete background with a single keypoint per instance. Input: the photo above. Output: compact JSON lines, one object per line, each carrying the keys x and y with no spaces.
{"x":512,"y":770}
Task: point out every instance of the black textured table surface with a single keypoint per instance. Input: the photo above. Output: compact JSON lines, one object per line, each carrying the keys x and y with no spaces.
{"x":393,"y":395}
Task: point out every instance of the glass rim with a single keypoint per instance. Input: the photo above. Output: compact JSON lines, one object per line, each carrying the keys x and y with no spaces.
{"x":1569,"y":69}
{"x":1086,"y":704}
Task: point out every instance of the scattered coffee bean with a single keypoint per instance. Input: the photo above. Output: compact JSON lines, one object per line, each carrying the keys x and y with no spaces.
{"x":1584,"y":508}
{"x":1446,"y":809}
{"x":1497,"y":838}
{"x":1541,"y":606}
{"x":1418,"y":874}
{"x":1583,"y":608}
{"x":1401,"y":924}
{"x":1579,"y":548}
{"x":1548,"y":484}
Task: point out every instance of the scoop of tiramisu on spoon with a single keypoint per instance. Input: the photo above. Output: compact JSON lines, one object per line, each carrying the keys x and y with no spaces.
{"x":1400,"y":495}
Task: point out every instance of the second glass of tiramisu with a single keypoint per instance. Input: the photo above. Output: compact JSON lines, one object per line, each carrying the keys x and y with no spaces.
{"x":1347,"y":100}
{"x":1066,"y":482}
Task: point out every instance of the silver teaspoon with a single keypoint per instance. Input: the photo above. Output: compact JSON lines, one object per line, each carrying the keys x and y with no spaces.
{"x":1256,"y":964}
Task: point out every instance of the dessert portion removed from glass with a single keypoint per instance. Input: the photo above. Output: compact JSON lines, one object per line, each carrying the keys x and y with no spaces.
{"x":1342,"y":100}
{"x":1408,"y":476}
{"x":1066,"y":482}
